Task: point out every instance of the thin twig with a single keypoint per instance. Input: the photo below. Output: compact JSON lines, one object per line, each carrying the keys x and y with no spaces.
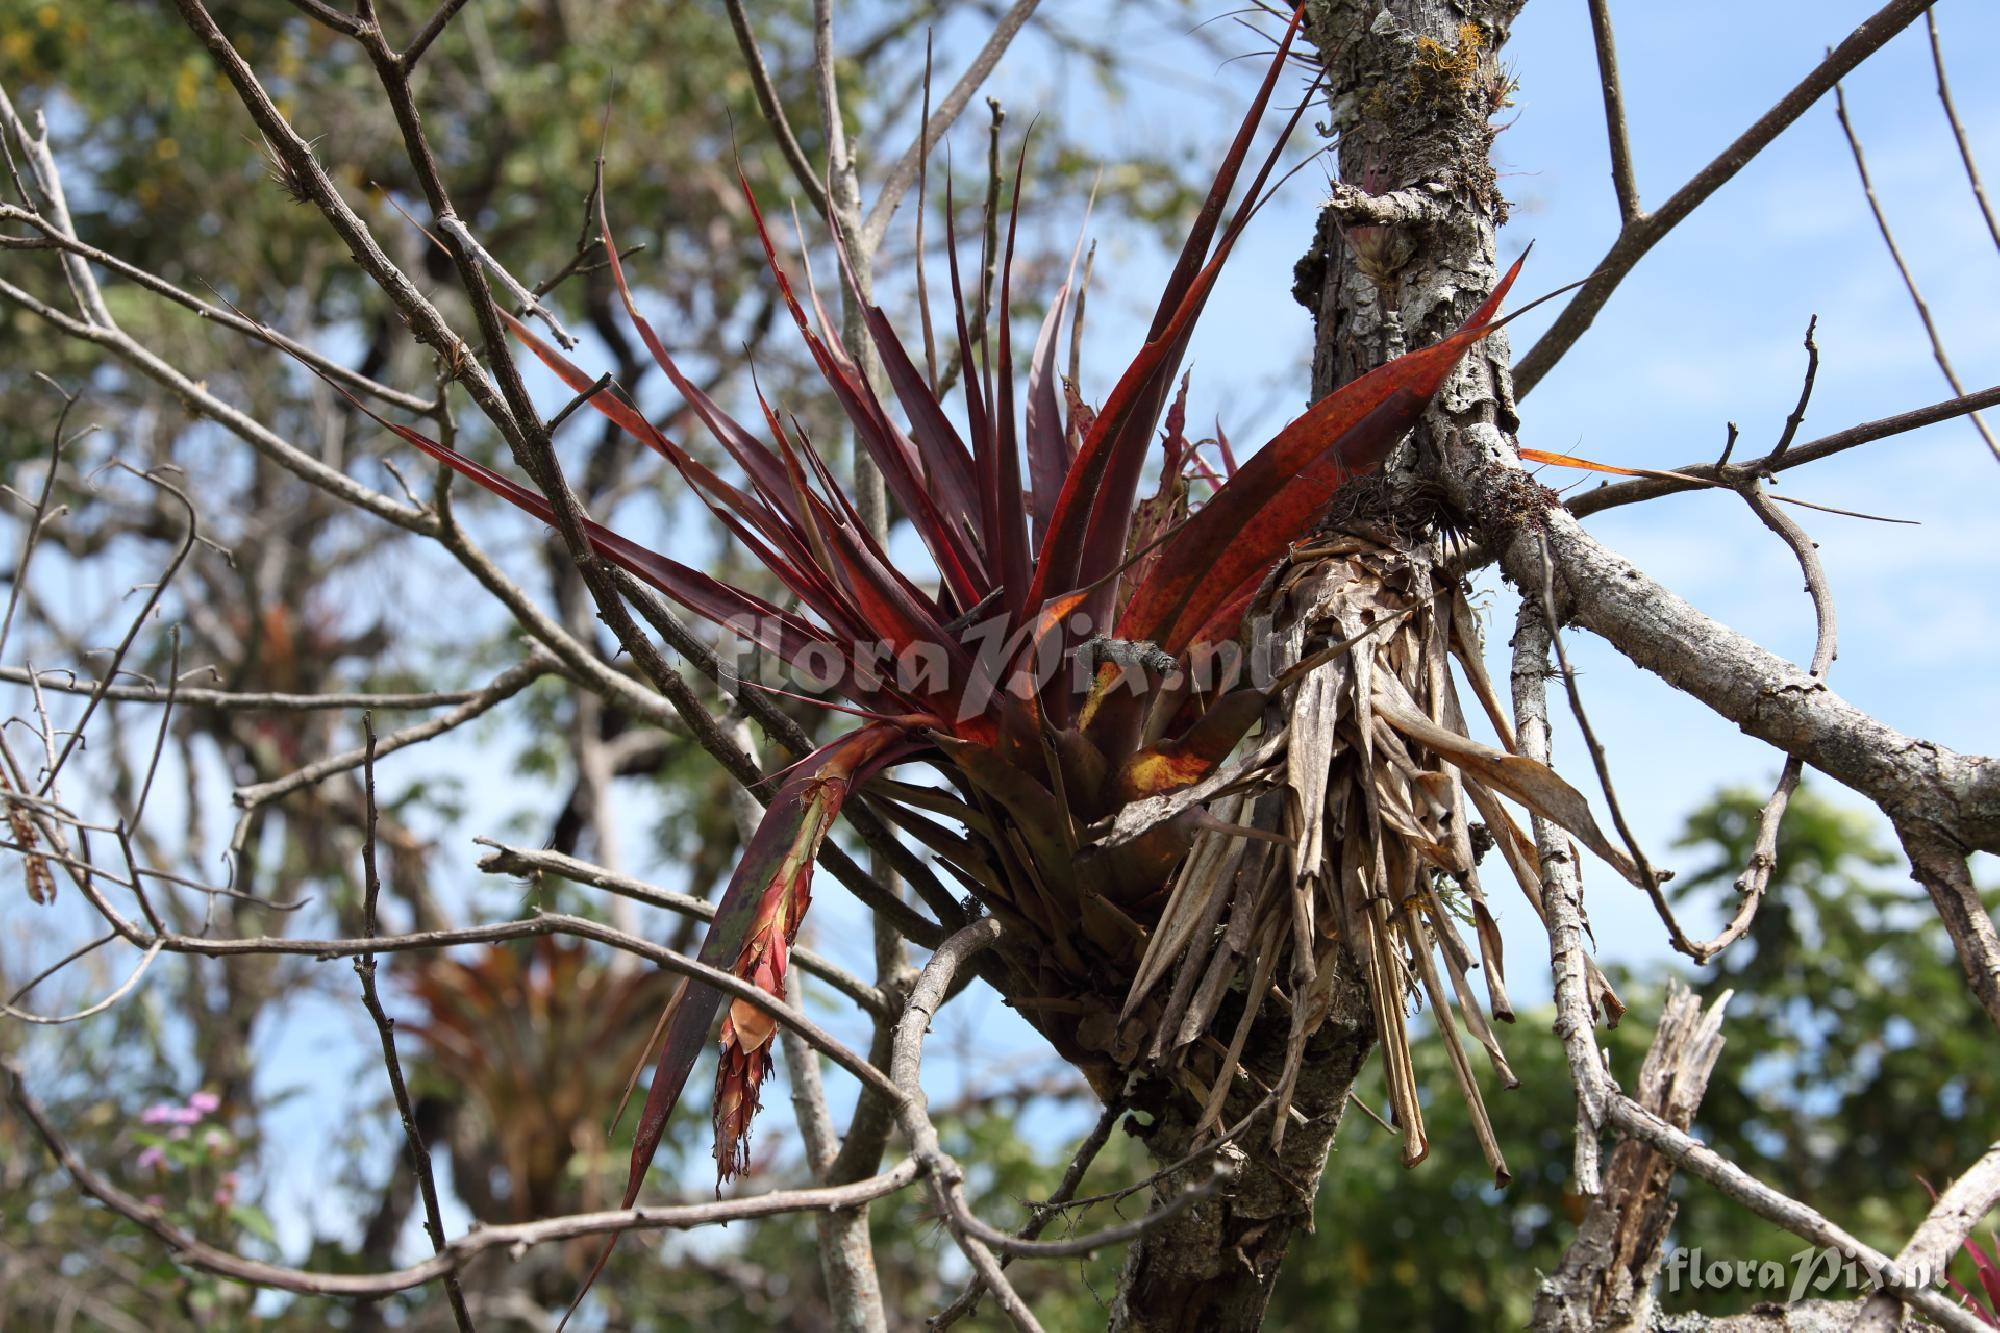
{"x":525,"y":299}
{"x":495,"y":692}
{"x":1622,"y":181}
{"x":433,"y":29}
{"x":1619,"y":494}
{"x":188,"y":1249}
{"x":155,"y":592}
{"x":371,"y":1000}
{"x":545,"y":923}
{"x":1756,"y":877}
{"x":1958,"y":132}
{"x":18,"y":579}
{"x":1041,"y":1214}
{"x":1649,"y":878}
{"x":773,"y":109}
{"x":338,"y":20}
{"x":1640,"y":235}
{"x":508,"y":860}
{"x":216,"y":314}
{"x":904,"y":173}
{"x":1903,"y":268}
{"x":123,"y":989}
{"x":1798,"y":416}
{"x":235,"y":701}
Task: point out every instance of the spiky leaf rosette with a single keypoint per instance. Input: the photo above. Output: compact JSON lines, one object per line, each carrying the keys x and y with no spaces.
{"x":1073,"y":665}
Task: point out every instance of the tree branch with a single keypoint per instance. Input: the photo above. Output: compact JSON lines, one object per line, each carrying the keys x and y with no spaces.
{"x":1936,"y":1240}
{"x":1623,"y":493}
{"x":371,"y":1000}
{"x":1623,"y":184}
{"x":904,"y":173}
{"x":457,"y":1254}
{"x":1645,"y":231}
{"x":1903,"y":267}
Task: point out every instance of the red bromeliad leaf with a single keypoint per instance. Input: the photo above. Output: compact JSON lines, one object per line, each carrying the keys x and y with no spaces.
{"x":1568,"y":460}
{"x":1091,"y":519}
{"x":767,"y":892}
{"x":1987,"y":1264}
{"x":1266,"y":506}
{"x":752,"y":931}
{"x":1042,"y":426}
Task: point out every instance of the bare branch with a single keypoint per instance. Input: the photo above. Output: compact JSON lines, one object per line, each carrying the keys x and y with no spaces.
{"x":1046,"y":1211}
{"x":55,"y":206}
{"x":371,"y":1000}
{"x":946,"y":1179}
{"x":453,"y":226}
{"x":1623,"y":493}
{"x":124,"y":988}
{"x":1607,"y":1270}
{"x":1645,"y":231}
{"x":460,"y":1252}
{"x":1936,"y":1240}
{"x":1562,"y":903}
{"x":338,"y":20}
{"x":1756,"y":877}
{"x":433,"y":29}
{"x":546,"y":923}
{"x":235,"y":701}
{"x":1938,"y":863}
{"x":1953,"y":798}
{"x":773,"y":108}
{"x":245,"y":427}
{"x":904,"y":173}
{"x":1958,"y":133}
{"x":1733,"y":1181}
{"x":1903,"y":268}
{"x":1649,"y":879}
{"x":1622,"y":181}
{"x":60,"y":240}
{"x":496,"y":691}
{"x":506,"y":860}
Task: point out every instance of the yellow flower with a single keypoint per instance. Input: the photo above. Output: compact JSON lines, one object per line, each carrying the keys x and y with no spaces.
{"x":167,"y":149}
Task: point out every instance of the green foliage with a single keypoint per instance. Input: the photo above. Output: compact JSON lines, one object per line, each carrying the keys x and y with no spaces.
{"x":1856,"y":1062}
{"x":1439,"y":1247}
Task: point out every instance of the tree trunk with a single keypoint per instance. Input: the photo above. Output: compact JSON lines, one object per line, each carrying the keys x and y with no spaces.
{"x":1211,"y":1269}
{"x":1402,"y":255}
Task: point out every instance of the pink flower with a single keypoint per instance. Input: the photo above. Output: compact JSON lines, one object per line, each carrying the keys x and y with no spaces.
{"x":152,"y":1158}
{"x":215,"y":1140}
{"x":159,"y":1113}
{"x":185,"y":1115}
{"x":202,"y":1103}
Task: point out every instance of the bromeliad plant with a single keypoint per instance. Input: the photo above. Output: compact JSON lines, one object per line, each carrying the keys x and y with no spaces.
{"x":1071,"y":674}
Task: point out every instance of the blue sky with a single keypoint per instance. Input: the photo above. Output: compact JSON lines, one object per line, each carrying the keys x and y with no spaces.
{"x":1706,"y":330}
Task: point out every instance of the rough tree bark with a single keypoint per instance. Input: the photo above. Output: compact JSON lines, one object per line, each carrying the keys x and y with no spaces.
{"x":1412,"y":88}
{"x":1211,"y":1269}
